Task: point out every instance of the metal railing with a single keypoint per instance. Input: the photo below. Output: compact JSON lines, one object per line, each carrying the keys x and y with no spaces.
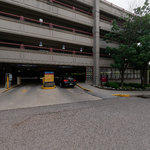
{"x":71,"y":7}
{"x":48,"y":49}
{"x":51,"y":25}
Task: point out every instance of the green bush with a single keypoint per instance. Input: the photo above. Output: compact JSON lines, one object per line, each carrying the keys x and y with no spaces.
{"x":135,"y":85}
{"x":127,"y":86}
{"x":148,"y":85}
{"x":114,"y":85}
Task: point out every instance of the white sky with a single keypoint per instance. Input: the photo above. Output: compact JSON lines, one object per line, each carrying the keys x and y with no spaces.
{"x":127,"y":4}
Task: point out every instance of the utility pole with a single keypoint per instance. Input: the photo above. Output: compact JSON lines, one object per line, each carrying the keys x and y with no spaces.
{"x":96,"y":42}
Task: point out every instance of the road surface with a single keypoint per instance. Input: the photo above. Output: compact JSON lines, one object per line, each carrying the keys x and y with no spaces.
{"x":32,"y":95}
{"x":110,"y":124}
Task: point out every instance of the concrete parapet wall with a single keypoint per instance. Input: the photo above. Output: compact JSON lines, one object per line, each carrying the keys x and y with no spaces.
{"x":66,"y":13}
{"x":53,"y":10}
{"x":43,"y":33}
{"x":107,"y":7}
{"x":112,"y":9}
{"x":104,"y":44}
{"x":105,"y":26}
{"x":13,"y":55}
{"x":16,"y":27}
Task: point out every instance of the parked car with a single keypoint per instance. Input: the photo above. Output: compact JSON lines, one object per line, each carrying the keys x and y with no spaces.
{"x":65,"y":81}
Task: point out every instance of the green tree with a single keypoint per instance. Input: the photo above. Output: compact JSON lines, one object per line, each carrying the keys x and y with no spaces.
{"x":121,"y":57}
{"x":133,"y":38}
{"x":141,"y":57}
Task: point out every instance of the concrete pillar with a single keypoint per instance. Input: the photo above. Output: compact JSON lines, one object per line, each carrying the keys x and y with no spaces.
{"x":89,"y":75}
{"x":96,"y":46}
{"x":18,"y":80}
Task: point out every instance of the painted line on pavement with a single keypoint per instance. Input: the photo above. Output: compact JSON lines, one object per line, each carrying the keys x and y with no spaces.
{"x":122,"y":95}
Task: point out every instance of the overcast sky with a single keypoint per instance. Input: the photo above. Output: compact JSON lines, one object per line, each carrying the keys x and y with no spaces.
{"x":127,"y":4}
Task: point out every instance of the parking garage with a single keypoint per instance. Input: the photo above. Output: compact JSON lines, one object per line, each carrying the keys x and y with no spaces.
{"x":52,"y":35}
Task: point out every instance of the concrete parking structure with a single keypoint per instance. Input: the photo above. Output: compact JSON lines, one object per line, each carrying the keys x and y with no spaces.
{"x":62,"y":33}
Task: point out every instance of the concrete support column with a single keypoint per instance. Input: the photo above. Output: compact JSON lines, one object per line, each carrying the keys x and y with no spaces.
{"x":96,"y":43}
{"x":18,"y":80}
{"x":89,"y":75}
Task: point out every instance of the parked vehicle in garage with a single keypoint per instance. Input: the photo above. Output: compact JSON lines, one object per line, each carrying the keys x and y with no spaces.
{"x":66,"y":81}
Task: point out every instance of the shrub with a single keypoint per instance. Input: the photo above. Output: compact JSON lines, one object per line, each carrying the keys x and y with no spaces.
{"x":114,"y":85}
{"x":127,"y":86}
{"x":135,"y":85}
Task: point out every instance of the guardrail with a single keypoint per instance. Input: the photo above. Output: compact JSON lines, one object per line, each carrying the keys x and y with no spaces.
{"x":89,"y":13}
{"x":49,"y":49}
{"x":106,"y":19}
{"x":110,"y":20}
{"x":51,"y":25}
{"x":83,"y":11}
{"x":71,"y":7}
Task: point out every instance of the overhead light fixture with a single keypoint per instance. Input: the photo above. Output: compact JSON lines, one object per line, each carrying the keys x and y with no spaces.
{"x":41,"y":20}
{"x":41,"y":44}
{"x":63,"y":47}
{"x":81,"y":49}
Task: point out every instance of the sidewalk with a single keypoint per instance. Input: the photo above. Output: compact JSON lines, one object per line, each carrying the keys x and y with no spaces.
{"x":108,"y":93}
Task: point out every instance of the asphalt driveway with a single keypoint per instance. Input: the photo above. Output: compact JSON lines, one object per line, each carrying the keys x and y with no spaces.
{"x":110,"y":124}
{"x":32,"y":96}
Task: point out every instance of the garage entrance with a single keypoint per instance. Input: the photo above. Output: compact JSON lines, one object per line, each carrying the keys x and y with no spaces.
{"x":31,"y":94}
{"x":33,"y":74}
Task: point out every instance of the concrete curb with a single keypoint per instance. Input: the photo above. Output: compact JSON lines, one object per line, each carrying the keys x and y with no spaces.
{"x":83,"y":88}
{"x":6,"y":90}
